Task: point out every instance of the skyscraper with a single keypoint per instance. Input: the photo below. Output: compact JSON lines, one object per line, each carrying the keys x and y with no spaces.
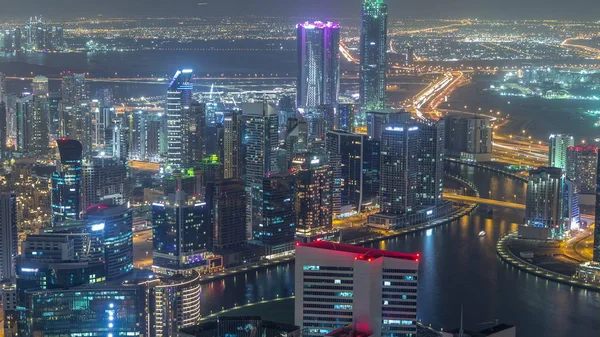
{"x":412,"y":170}
{"x":469,"y":138}
{"x":117,"y":222}
{"x":559,"y":144}
{"x":2,"y":86}
{"x":24,"y":127}
{"x":196,"y":134}
{"x":229,"y":209}
{"x":348,"y":148}
{"x":261,"y":146}
{"x":313,"y":202}
{"x":372,"y":290}
{"x":182,"y":234}
{"x":105,"y":179}
{"x":37,"y":121}
{"x":73,"y":88}
{"x":66,"y":182}
{"x":40,"y":85}
{"x":318,"y":61}
{"x":399,"y":169}
{"x":75,"y":122}
{"x":179,"y":99}
{"x":581,"y":167}
{"x":430,"y":177}
{"x":232,"y":146}
{"x":138,"y":122}
{"x":544,"y":201}
{"x":8,"y":235}
{"x":373,"y":57}
{"x":279,"y":217}
{"x":3,"y":130}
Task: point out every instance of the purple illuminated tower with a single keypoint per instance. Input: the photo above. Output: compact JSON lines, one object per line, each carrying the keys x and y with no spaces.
{"x":319,"y":64}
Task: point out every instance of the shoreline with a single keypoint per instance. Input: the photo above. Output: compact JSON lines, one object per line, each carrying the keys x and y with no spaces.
{"x":465,"y":210}
{"x":509,"y":258}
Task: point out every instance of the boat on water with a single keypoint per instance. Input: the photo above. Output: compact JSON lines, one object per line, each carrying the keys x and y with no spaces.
{"x":482,"y":233}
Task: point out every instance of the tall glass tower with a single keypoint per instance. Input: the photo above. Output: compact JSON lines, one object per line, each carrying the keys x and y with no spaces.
{"x":319,"y":64}
{"x":179,"y":98}
{"x":373,"y":58}
{"x":66,"y":182}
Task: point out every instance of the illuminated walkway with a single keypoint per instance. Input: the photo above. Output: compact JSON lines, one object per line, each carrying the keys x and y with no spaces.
{"x":455,"y":197}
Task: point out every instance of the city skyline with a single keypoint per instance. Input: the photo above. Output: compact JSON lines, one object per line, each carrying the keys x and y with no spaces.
{"x":330,"y":177}
{"x":511,"y":9}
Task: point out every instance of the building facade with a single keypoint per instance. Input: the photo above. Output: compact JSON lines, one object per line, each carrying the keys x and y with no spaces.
{"x":559,"y":145}
{"x":8,"y":235}
{"x":179,"y":99}
{"x":399,"y":169}
{"x":544,"y":200}
{"x":279,"y":217}
{"x":469,"y":138}
{"x":174,"y":304}
{"x":232,"y":146}
{"x":118,"y":236}
{"x":229,"y":206}
{"x":261,"y":143}
{"x":581,"y":166}
{"x":182,"y":235}
{"x":339,"y":285}
{"x":105,"y":179}
{"x":313,"y":202}
{"x":373,"y":55}
{"x":66,"y":182}
{"x":97,"y":311}
{"x":318,"y":61}
{"x":348,"y":149}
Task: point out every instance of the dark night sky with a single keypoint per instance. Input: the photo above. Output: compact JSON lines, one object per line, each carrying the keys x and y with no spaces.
{"x":501,"y":9}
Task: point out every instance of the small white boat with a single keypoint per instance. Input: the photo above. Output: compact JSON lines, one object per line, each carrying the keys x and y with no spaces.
{"x":482,"y":233}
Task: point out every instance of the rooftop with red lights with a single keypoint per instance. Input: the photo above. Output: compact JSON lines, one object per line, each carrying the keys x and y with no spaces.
{"x":584,"y":148}
{"x":363,"y":253}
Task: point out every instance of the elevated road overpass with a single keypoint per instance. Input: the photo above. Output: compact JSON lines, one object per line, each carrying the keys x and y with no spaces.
{"x":484,"y":201}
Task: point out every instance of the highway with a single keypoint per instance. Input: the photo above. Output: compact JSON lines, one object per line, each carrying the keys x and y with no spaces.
{"x":581,"y":246}
{"x":582,"y":49}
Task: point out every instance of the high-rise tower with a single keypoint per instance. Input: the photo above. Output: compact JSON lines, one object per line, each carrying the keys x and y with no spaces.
{"x":40,"y":85}
{"x":66,"y":182}
{"x":319,"y":64}
{"x":232,"y":146}
{"x":179,"y":99}
{"x":73,"y":87}
{"x":373,"y":57}
{"x":559,"y":145}
{"x":117,"y":221}
{"x":8,"y":235}
{"x":262,"y":144}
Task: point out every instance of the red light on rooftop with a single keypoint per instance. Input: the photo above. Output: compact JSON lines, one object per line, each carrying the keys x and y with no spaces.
{"x":319,"y":240}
